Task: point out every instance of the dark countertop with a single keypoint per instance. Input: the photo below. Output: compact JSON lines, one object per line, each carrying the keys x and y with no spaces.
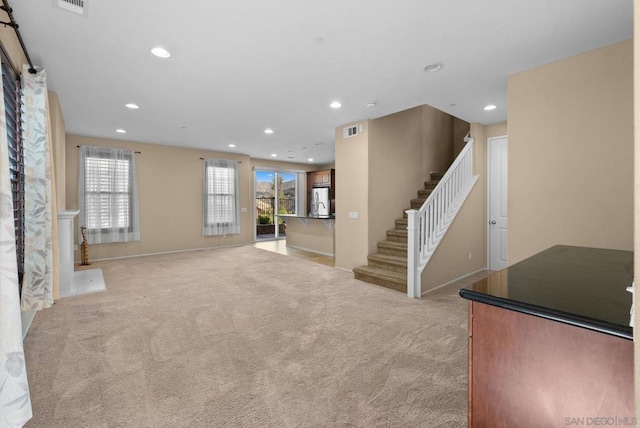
{"x":317,"y":217}
{"x":581,"y":286}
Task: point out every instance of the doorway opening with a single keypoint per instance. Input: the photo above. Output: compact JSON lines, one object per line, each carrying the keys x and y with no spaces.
{"x":276,"y":196}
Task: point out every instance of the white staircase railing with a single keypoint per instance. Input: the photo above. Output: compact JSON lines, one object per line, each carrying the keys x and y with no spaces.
{"x":427,"y":226}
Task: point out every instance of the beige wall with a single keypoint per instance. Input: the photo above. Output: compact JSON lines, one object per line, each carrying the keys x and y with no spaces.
{"x":315,"y":235}
{"x":58,"y":136}
{"x":460,"y":130}
{"x":395,"y":169}
{"x":380,"y":171}
{"x":170,"y":198}
{"x":437,"y":132}
{"x":467,"y":235}
{"x":352,"y":195}
{"x":571,"y":153}
{"x":404,"y":148}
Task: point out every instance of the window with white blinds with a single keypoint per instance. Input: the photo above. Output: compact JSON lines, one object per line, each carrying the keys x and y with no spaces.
{"x":220,"y":216}
{"x":108,"y":199}
{"x":108,"y":193}
{"x":13,"y":114}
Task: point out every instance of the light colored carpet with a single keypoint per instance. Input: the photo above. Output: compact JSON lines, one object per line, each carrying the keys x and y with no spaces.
{"x":242,"y":337}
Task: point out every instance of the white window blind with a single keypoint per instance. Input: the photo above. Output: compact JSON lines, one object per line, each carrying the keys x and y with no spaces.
{"x":108,"y":195}
{"x":221,"y":200}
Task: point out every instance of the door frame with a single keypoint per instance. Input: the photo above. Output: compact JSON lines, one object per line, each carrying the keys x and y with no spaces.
{"x":488,"y":200}
{"x":276,"y":171}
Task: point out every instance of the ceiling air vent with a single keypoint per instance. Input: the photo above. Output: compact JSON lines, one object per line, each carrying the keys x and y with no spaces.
{"x":75,"y":6}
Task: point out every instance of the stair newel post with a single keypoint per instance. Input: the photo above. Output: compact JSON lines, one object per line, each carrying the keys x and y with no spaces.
{"x":413,"y":281}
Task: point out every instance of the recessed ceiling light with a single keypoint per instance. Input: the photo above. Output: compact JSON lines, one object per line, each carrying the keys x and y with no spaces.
{"x":335,"y":104}
{"x":160,"y":52}
{"x":121,"y":131}
{"x":371,"y":105}
{"x":490,"y":107}
{"x":432,"y":68}
{"x":268,"y":131}
{"x":273,"y":155}
{"x":132,"y":106}
{"x":232,"y":145}
{"x":310,"y":159}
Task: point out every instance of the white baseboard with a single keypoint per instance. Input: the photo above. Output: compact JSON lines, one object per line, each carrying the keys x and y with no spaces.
{"x":454,"y":280}
{"x":164,"y":252}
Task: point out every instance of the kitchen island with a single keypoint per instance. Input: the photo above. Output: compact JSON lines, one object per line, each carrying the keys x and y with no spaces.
{"x":310,"y":233}
{"x":550,"y":342}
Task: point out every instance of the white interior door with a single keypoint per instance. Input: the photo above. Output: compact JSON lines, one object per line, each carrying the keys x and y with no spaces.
{"x":497,"y":202}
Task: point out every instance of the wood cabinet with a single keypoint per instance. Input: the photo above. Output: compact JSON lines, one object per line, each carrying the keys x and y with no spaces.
{"x":532,"y":372}
{"x":320,"y":178}
{"x":550,"y":343}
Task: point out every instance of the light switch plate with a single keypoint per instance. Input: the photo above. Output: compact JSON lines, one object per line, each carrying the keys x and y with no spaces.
{"x":353,"y":214}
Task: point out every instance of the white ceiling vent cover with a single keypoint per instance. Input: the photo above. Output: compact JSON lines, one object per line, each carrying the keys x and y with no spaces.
{"x":75,"y":6}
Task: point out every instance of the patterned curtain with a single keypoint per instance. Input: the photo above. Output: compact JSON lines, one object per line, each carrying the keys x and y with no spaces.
{"x":15,"y":404}
{"x":37,"y":284}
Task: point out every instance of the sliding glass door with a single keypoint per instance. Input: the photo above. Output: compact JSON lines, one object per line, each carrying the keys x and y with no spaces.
{"x":276,"y":193}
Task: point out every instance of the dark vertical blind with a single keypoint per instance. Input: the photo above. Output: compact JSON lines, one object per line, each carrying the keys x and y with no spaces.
{"x":13,"y":110}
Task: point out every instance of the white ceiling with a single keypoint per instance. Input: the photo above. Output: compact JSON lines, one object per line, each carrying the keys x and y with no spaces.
{"x":240,"y":66}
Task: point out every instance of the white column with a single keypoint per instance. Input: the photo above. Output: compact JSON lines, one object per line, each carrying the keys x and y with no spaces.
{"x":65,"y":251}
{"x":413,"y":278}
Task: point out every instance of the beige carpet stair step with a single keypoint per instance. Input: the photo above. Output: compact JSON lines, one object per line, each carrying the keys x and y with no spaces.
{"x":416,"y":204}
{"x":424,"y":193}
{"x":397,"y":235}
{"x":401,"y":223}
{"x":388,"y":267}
{"x":430,"y":185}
{"x":389,"y":279}
{"x":393,"y":248}
{"x":388,"y":262}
